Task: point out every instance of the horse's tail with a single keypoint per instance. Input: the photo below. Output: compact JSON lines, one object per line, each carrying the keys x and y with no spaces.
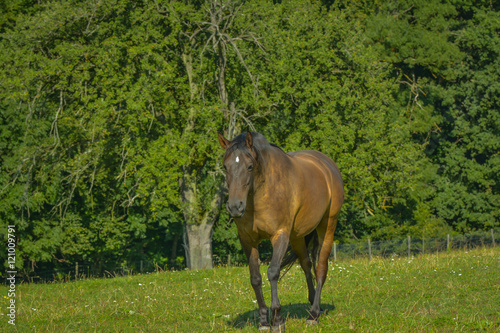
{"x":290,"y":257}
{"x":313,"y":244}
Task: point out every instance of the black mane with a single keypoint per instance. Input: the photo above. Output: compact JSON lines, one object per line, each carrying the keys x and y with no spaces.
{"x":276,"y":146}
{"x":259,"y":142}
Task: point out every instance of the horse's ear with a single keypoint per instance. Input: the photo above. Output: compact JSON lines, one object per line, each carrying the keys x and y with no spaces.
{"x":249,"y":140}
{"x":223,"y":141}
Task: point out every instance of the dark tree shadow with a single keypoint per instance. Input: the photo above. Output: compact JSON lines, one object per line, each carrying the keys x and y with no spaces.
{"x":295,"y":311}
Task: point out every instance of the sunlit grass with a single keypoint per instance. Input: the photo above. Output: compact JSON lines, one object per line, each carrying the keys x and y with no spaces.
{"x":457,"y":291}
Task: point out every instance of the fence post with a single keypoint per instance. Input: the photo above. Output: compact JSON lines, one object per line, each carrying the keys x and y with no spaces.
{"x":409,"y":246}
{"x":335,"y":251}
{"x":229,"y":260}
{"x":369,"y":249}
{"x":423,"y":245}
{"x":493,"y":237}
{"x":448,"y":243}
{"x":141,"y":266}
{"x":76,"y":270}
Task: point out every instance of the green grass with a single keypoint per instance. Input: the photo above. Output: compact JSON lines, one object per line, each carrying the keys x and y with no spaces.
{"x":457,"y":291}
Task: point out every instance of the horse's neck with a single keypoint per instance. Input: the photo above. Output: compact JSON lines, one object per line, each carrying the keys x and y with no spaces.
{"x":276,"y":165}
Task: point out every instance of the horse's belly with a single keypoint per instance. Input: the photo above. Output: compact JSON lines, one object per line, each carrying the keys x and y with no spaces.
{"x":306,"y":222}
{"x":315,"y":204}
{"x":314,"y":195}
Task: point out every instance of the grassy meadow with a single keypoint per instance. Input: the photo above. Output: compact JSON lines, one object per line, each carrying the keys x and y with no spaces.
{"x":457,"y":291}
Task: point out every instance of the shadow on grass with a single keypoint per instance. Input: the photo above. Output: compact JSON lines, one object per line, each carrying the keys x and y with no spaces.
{"x":290,"y":311}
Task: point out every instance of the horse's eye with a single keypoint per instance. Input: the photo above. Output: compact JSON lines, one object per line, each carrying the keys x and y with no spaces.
{"x":250,"y":167}
{"x":225,"y":167}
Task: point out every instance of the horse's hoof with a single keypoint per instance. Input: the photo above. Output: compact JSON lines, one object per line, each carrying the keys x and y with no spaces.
{"x":312,"y":322}
{"x":263,"y":328}
{"x":278,"y":328}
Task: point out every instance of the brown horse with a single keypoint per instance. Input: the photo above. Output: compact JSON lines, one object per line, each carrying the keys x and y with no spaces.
{"x":287,"y":198}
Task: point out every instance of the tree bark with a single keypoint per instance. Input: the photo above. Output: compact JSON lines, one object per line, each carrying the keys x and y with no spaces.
{"x":198,"y":231}
{"x":199,"y":245}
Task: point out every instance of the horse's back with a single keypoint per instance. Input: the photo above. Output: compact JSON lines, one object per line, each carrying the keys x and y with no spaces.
{"x":312,"y":161}
{"x":314,"y":155}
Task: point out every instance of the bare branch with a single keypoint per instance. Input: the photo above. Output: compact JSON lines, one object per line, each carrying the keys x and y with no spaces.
{"x":238,"y":53}
{"x":53,"y":129}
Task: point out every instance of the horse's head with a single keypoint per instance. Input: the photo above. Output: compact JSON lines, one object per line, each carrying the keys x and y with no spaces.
{"x":240,"y":163}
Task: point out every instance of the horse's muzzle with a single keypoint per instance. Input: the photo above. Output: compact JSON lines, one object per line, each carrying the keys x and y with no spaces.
{"x":236,"y":208}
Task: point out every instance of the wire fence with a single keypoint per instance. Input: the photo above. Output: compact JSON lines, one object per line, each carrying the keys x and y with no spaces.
{"x":410,"y":246}
{"x":340,"y":252}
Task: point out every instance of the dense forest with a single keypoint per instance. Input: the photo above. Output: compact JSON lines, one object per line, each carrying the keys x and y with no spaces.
{"x":109,"y":114}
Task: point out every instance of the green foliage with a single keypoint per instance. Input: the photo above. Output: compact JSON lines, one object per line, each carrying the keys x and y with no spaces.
{"x":109,"y":114}
{"x":89,"y":101}
{"x":329,"y":91}
{"x":449,"y":54}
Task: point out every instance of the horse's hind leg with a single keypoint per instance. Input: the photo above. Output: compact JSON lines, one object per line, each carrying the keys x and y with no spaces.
{"x":325,"y":239}
{"x":299,"y":246}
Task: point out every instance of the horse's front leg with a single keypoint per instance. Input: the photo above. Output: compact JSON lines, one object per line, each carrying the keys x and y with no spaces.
{"x":256,"y":280}
{"x":280,"y":244}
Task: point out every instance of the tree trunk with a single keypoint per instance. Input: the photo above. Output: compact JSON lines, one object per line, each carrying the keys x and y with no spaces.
{"x":198,"y":232}
{"x":199,"y":245}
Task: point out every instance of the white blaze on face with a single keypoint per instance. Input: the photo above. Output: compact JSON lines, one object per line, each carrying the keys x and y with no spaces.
{"x":237,"y":159}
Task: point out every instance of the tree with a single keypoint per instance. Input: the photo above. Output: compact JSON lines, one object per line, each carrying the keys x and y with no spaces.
{"x":446,"y":58}
{"x":109,"y":114}
{"x":329,"y":91}
{"x":94,"y":167}
{"x":210,"y":47}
